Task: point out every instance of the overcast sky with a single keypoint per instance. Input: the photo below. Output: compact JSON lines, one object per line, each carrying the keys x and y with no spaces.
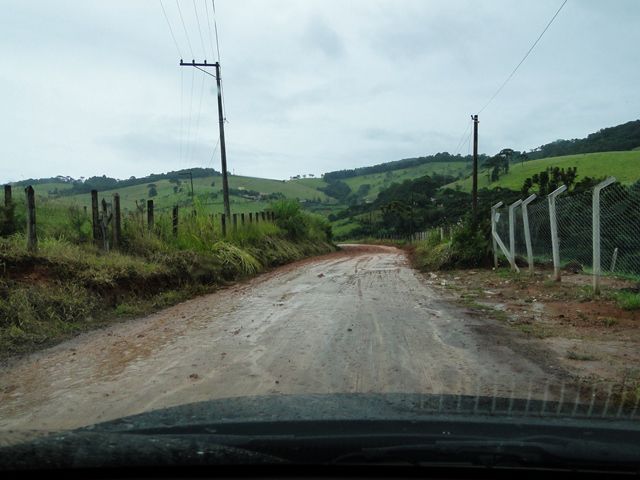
{"x":94,"y":87}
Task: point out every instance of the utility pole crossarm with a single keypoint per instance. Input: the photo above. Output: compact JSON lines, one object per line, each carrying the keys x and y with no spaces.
{"x":195,"y":64}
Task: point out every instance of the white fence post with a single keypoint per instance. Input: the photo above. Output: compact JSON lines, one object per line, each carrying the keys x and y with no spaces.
{"x":498,"y":240}
{"x":512,"y":229}
{"x":527,"y":231}
{"x":555,"y":244}
{"x":595,"y":207}
{"x":493,"y":233}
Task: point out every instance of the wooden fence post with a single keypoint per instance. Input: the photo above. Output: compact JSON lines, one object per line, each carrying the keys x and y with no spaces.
{"x":235,"y":222}
{"x":117,"y":226}
{"x":94,"y":217}
{"x":32,"y":240}
{"x":250,"y":218}
{"x":263,"y":215}
{"x":223,"y":222}
{"x":242,"y":219}
{"x":150,"y":215}
{"x":175,"y":220}
{"x":7,"y":195}
{"x":256,"y":217}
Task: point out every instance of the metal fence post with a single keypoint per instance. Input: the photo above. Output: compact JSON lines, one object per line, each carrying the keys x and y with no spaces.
{"x":493,"y":233}
{"x":553,"y":223}
{"x":527,"y":231}
{"x":512,"y":228}
{"x":595,"y":207}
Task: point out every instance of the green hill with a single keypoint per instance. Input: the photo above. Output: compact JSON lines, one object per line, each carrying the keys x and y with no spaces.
{"x":248,"y":194}
{"x":625,"y":166}
{"x":169,"y":194}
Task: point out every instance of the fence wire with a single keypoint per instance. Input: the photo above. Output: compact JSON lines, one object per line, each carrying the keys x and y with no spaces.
{"x":575,"y":229}
{"x":620,"y":229}
{"x":540,"y":229}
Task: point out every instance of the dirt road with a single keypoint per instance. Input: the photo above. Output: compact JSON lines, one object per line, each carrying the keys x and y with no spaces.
{"x":360,"y":320}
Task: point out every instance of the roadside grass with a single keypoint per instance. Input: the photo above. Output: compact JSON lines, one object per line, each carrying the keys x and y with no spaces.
{"x":68,"y":286}
{"x":628,"y":300}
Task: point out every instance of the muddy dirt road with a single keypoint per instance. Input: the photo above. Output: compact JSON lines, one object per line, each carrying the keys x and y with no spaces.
{"x":359,"y":320}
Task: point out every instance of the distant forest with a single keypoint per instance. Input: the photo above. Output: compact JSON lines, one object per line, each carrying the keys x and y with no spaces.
{"x":398,"y":164}
{"x":619,"y":138}
{"x":85,"y":185}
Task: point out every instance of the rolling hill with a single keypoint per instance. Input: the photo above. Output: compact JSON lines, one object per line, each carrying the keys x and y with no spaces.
{"x":625,"y":166}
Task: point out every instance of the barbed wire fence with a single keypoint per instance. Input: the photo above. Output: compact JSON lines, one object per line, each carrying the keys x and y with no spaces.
{"x":619,"y":208}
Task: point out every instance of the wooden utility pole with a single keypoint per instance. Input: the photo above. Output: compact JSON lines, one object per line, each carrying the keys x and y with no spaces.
{"x":474,"y":205}
{"x":223,"y":148}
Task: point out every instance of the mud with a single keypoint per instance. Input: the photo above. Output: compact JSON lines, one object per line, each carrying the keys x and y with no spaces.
{"x":358,"y":320}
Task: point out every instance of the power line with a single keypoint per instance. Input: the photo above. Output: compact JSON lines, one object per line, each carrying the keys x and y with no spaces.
{"x":197,"y":136}
{"x":206,"y":7}
{"x":185,"y":29}
{"x":204,"y":50}
{"x":188,"y":154}
{"x":170,"y":29}
{"x":523,"y":58}
{"x":215,"y":26}
{"x":462,"y":138}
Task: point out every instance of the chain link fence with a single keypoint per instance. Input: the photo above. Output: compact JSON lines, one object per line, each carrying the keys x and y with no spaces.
{"x":619,"y":230}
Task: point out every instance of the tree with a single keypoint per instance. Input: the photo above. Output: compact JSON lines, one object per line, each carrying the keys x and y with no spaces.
{"x":153,"y":189}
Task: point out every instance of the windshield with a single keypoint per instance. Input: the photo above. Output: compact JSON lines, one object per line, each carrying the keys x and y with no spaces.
{"x":227,"y":220}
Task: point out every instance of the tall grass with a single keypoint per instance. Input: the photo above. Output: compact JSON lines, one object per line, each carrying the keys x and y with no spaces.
{"x":69,"y":284}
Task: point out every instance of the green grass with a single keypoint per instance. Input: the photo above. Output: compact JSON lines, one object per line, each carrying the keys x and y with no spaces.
{"x":628,"y":300}
{"x":625,"y":166}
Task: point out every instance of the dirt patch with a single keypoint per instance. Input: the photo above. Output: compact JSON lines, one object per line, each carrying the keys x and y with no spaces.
{"x":592,"y":337}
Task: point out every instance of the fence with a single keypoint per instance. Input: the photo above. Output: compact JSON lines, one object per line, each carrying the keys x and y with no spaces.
{"x":106,"y":222}
{"x":596,"y":230}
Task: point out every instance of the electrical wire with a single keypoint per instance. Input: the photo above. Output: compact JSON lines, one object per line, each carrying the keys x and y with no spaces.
{"x":206,"y":7}
{"x":185,"y":29}
{"x":193,"y":76}
{"x":181,"y":113}
{"x":204,"y":50}
{"x":197,"y":135}
{"x":462,"y":139}
{"x":215,"y":26}
{"x":523,"y":58}
{"x":171,"y":29}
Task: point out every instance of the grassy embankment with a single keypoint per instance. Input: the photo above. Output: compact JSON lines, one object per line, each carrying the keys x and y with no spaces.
{"x":68,"y":285}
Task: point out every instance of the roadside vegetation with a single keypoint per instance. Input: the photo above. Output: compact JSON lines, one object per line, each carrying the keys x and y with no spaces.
{"x":69,"y":285}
